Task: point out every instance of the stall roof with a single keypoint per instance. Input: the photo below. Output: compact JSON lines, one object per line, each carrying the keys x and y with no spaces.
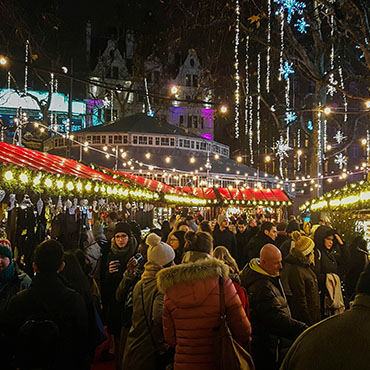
{"x":39,"y":161}
{"x":150,"y":184}
{"x":276,"y":195}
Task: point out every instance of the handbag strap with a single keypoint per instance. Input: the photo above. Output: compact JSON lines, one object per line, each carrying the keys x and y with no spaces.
{"x":222,"y":298}
{"x":147,"y":321}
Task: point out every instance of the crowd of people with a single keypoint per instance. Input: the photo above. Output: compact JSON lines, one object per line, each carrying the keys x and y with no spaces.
{"x":157,"y":296}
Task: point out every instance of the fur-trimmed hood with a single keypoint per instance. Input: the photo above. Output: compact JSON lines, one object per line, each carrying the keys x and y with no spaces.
{"x":190,"y":273}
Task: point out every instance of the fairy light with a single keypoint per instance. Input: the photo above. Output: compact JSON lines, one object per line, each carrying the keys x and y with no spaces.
{"x":111,"y":106}
{"x":319,"y":146}
{"x":324,"y":139}
{"x":246,"y":85}
{"x":287,"y":107}
{"x":268,"y":56}
{"x":251,"y":128}
{"x":345,"y":102}
{"x":9,"y":79}
{"x":237,"y":75}
{"x":282,"y":21}
{"x":150,"y":111}
{"x":299,"y":137}
{"x":299,"y":153}
{"x":259,"y":99}
{"x":26,"y":67}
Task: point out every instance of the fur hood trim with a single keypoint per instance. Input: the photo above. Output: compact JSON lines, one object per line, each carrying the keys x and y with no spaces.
{"x":192,"y":271}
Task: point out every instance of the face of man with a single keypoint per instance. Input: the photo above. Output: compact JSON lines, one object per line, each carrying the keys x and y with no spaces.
{"x":272,"y":233}
{"x":252,"y":222}
{"x":121,"y":240}
{"x":272,"y":265}
{"x":242,"y":228}
{"x":224,"y":224}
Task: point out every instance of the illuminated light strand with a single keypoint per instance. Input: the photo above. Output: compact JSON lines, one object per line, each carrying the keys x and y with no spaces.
{"x":9,"y":79}
{"x":247,"y":85}
{"x":281,"y":61}
{"x":111,"y":106}
{"x":345,"y":102}
{"x":299,"y":160}
{"x":259,"y":99}
{"x":237,"y":75}
{"x":268,"y":54}
{"x":251,"y":128}
{"x":299,"y":137}
{"x":26,"y":67}
{"x":150,"y":111}
{"x":325,"y":139}
{"x":52,"y":91}
{"x":319,"y":143}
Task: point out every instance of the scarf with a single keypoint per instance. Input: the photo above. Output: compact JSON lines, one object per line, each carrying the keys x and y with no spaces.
{"x":150,"y":272}
{"x":7,"y":274}
{"x":123,"y":253}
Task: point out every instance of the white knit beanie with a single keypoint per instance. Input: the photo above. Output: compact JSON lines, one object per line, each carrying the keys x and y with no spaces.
{"x":158,"y":252}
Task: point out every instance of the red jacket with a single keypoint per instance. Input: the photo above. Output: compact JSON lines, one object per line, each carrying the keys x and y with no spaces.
{"x":191,"y":312}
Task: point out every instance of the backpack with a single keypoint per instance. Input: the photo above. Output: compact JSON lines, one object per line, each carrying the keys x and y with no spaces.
{"x":37,"y":344}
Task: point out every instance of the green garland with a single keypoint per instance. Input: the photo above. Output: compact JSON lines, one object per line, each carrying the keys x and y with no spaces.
{"x":21,"y":180}
{"x":352,"y":197}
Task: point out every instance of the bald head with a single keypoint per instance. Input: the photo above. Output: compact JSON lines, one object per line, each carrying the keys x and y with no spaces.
{"x":270,"y":259}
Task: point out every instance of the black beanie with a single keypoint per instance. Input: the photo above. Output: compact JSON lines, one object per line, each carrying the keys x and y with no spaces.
{"x":181,"y":236}
{"x":292,"y":226}
{"x":122,"y":227}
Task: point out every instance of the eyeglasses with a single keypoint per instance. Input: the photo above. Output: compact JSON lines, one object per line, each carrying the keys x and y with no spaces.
{"x":121,"y":236}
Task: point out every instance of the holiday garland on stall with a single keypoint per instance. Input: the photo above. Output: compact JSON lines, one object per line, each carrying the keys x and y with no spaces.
{"x":353,"y":197}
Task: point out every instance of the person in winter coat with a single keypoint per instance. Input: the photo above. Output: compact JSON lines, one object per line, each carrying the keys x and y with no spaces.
{"x":145,"y":340}
{"x":122,"y":249}
{"x":305,"y":300}
{"x":273,"y":326}
{"x":197,"y":246}
{"x":266,"y":235}
{"x":191,"y":312}
{"x":223,"y":236}
{"x":331,"y":257}
{"x":242,"y":240}
{"x":12,"y":279}
{"x":282,"y":234}
{"x":339,"y":342}
{"x":176,"y":240}
{"x":49,"y":299}
{"x":358,"y":258}
{"x":222,"y":254}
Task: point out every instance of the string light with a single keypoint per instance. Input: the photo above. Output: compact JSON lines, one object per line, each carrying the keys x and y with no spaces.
{"x":251,"y":128}
{"x":319,"y":143}
{"x":259,"y":99}
{"x":9,"y":78}
{"x":268,"y":56}
{"x":237,"y":75}
{"x":150,"y":111}
{"x":281,"y":61}
{"x":26,"y":67}
{"x":246,"y":85}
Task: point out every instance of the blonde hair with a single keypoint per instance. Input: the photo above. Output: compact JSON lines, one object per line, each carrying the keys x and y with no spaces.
{"x":223,"y":254}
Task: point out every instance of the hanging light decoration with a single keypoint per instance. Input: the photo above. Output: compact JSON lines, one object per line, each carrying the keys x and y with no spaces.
{"x":268,"y":53}
{"x":258,"y":99}
{"x":237,"y":74}
{"x":246,"y":85}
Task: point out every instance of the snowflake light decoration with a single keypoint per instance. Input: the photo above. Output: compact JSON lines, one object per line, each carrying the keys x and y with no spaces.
{"x":290,"y":117}
{"x":286,"y":70}
{"x":339,"y":137}
{"x":331,"y":87}
{"x":282,"y":148}
{"x":310,"y":125}
{"x":302,"y":25}
{"x":292,"y":6}
{"x":340,"y":160}
{"x":106,"y":102}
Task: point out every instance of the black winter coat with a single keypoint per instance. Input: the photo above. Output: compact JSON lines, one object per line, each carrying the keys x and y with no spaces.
{"x":110,"y":283}
{"x":305,"y":299}
{"x":256,"y":243}
{"x":270,"y":317}
{"x":49,"y":299}
{"x":225,"y":238}
{"x":242,"y":241}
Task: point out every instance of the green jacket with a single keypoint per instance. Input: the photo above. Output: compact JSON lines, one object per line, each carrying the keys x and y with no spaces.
{"x":140,"y":353}
{"x":341,"y":342}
